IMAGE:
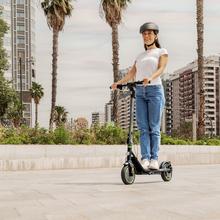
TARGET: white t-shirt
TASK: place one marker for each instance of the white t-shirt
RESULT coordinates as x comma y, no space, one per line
147,63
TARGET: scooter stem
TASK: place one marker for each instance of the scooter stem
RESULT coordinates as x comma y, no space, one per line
131,124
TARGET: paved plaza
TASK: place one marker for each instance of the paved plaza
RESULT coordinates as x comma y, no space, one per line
193,194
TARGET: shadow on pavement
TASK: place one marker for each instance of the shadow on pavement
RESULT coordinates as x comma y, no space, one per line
106,183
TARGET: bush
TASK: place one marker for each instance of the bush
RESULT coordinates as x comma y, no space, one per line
61,136
173,141
2,131
199,142
10,136
136,137
83,136
108,134
167,139
215,142
41,136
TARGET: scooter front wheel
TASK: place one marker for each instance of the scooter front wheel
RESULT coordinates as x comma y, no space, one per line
128,174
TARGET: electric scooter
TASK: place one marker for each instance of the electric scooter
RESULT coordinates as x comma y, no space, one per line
132,166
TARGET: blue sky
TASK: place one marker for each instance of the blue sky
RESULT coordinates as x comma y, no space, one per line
85,53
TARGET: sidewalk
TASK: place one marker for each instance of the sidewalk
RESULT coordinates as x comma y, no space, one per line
46,157
99,194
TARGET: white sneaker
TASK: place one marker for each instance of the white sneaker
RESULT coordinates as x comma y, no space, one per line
154,165
145,164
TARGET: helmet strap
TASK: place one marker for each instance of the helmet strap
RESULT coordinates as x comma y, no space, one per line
148,45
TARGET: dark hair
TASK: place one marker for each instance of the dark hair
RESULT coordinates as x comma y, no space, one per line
157,43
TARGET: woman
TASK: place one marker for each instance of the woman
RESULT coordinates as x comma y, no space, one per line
150,100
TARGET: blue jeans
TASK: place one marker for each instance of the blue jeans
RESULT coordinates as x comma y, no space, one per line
150,102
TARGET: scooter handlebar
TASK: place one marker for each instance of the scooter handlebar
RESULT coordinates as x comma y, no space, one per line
130,84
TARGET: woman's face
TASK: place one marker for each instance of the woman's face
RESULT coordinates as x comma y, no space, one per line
149,37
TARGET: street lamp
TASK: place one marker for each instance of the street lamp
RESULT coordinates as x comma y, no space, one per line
21,90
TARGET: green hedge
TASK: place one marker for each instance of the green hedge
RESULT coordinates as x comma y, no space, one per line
108,134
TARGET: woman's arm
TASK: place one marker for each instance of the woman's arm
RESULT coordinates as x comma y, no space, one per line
161,67
129,76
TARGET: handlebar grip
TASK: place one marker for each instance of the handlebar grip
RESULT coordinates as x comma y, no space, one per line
139,82
119,86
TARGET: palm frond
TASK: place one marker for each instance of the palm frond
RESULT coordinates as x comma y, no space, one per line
36,92
112,10
56,12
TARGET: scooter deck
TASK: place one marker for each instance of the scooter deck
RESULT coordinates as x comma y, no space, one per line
139,170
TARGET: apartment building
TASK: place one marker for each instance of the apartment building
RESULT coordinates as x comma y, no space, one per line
124,106
124,111
109,112
20,46
98,118
168,107
183,89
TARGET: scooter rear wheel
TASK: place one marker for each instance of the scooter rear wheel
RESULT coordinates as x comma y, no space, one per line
166,175
128,174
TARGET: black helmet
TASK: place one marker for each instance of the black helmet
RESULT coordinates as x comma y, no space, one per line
149,26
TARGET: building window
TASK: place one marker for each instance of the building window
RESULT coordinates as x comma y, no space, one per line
210,68
20,28
20,2
19,88
20,14
20,40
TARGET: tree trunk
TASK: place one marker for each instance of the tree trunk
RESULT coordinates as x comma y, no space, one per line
36,114
54,76
200,27
115,49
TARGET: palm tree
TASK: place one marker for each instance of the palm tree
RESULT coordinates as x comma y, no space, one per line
81,123
200,28
60,115
112,10
56,12
36,93
14,113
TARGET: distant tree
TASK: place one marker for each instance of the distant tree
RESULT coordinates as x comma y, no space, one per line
3,55
14,113
81,123
56,12
8,98
112,10
37,92
200,39
60,116
183,131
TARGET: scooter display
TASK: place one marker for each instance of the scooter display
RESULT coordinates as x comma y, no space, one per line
132,166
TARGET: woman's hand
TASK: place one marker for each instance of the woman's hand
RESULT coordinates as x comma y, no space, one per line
114,86
146,81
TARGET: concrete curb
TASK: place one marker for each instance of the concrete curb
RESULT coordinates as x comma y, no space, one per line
47,157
